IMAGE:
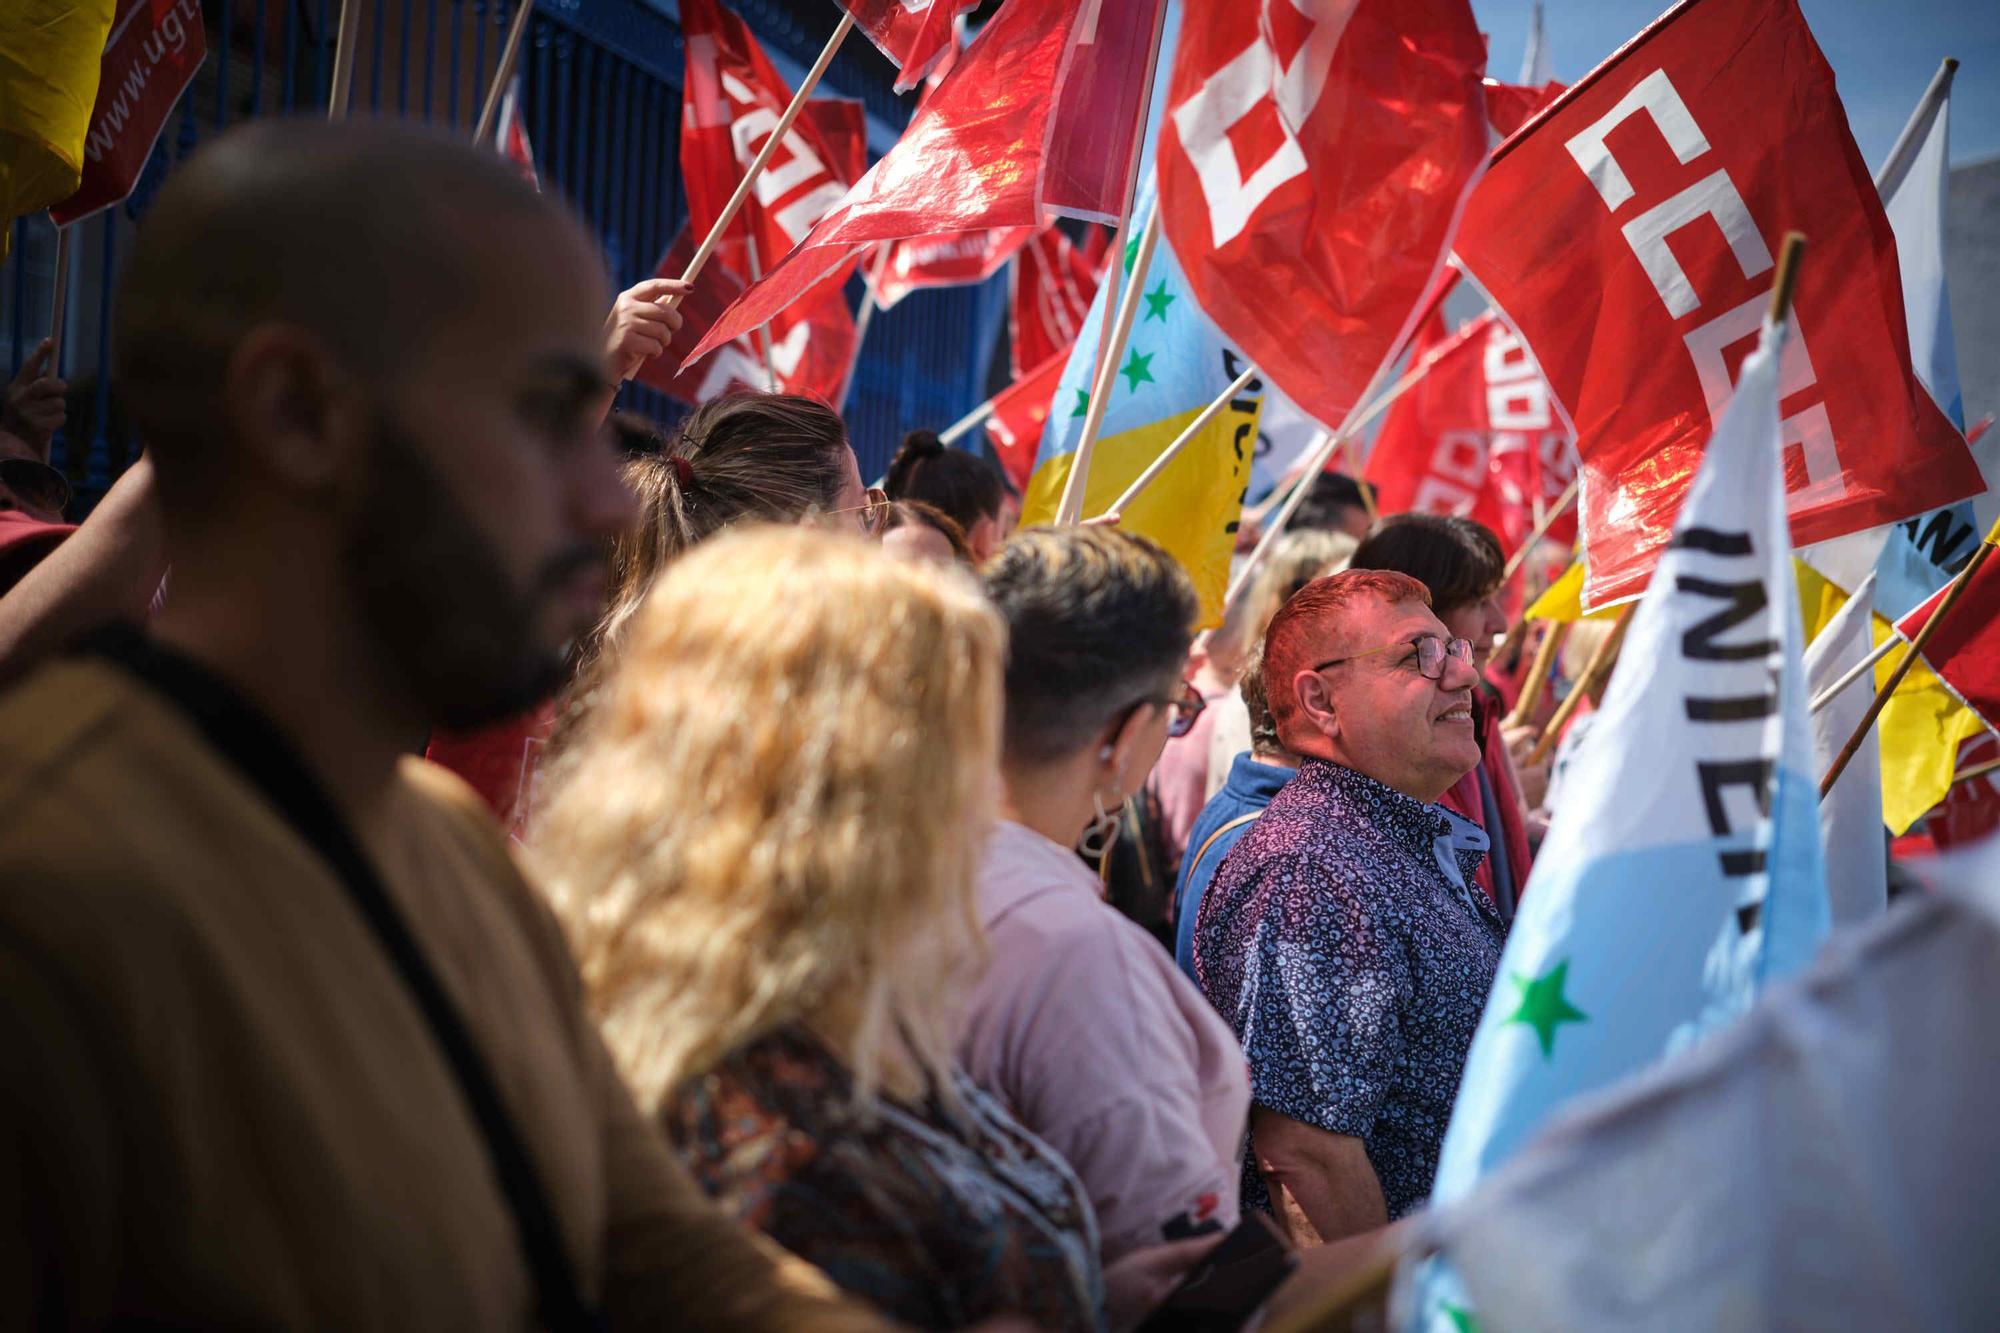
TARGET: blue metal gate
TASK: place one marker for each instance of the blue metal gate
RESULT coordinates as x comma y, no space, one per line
601,88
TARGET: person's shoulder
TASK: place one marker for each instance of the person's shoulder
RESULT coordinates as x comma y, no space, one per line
50,718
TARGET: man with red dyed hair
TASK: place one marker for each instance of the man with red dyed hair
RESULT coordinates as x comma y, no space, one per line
1342,938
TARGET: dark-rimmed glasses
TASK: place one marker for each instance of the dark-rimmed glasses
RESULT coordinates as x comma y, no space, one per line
1431,652
35,484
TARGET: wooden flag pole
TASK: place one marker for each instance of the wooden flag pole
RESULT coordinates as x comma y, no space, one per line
1976,771
968,421
1855,672
58,315
1554,512
1593,671
1953,591
1070,511
1167,455
1539,671
764,154
1315,464
503,73
862,319
342,85
763,330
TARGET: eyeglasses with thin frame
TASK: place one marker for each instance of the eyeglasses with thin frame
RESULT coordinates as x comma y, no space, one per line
874,513
35,483
1431,652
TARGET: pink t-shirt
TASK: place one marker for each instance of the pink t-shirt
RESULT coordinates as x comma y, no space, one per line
1082,1024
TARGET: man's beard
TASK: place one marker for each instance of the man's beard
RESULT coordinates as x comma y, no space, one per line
436,596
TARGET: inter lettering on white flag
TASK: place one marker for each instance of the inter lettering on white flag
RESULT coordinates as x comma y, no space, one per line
1686,871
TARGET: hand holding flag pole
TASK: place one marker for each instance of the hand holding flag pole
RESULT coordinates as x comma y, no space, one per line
764,154
1594,670
503,73
1070,511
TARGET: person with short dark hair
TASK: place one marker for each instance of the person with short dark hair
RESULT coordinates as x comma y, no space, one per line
962,484
1080,1021
288,1039
1336,504
1255,776
1343,938
1462,563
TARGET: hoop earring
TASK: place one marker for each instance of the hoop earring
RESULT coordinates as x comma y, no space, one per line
1097,839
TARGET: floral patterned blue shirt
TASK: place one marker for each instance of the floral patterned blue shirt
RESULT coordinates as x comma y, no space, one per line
1352,968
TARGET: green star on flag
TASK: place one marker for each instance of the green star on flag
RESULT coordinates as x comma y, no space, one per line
1157,302
1082,402
1131,253
1543,1006
1461,1318
1138,370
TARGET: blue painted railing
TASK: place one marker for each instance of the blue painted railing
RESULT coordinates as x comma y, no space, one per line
601,88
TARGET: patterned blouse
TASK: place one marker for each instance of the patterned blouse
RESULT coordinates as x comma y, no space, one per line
937,1218
1352,967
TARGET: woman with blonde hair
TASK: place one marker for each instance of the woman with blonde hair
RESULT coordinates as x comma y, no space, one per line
763,841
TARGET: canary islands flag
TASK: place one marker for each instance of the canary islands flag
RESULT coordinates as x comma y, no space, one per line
1687,873
1175,365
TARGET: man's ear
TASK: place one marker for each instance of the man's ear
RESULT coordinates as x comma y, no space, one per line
289,409
1316,702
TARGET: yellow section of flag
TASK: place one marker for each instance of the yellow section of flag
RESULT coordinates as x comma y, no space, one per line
1191,508
1563,599
1922,725
50,55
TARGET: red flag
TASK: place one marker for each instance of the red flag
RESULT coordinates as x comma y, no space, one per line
950,260
1965,650
916,34
1509,106
1053,285
1476,436
1629,234
151,56
1312,166
812,342
1036,119
1019,412
734,100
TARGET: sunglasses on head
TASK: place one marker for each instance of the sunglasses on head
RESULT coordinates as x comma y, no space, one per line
35,484
1431,652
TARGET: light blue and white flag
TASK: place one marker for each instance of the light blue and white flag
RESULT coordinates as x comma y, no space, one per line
1916,557
1686,871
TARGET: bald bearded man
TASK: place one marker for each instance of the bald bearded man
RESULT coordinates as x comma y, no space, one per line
286,1040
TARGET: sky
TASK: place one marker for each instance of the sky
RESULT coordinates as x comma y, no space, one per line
1883,54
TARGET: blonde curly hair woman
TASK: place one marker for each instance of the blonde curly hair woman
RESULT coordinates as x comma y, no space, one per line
763,842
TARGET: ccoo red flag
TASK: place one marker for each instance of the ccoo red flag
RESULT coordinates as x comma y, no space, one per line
1312,165
1035,120
950,260
812,342
1476,436
150,57
1629,233
1053,284
734,100
1509,106
1019,412
916,34
1965,649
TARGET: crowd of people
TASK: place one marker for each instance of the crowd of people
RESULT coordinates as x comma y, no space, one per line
743,953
